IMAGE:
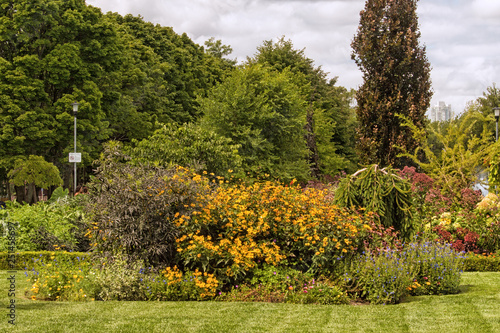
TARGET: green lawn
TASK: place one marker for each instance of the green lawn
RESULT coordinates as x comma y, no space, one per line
475,309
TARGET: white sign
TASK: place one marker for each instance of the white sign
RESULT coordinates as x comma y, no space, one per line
75,157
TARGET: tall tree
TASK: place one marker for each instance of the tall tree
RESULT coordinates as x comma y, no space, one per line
396,80
264,112
330,120
126,74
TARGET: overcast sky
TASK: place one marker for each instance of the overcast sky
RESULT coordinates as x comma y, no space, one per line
462,36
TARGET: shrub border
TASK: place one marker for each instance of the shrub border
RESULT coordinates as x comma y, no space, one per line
481,263
24,258
473,262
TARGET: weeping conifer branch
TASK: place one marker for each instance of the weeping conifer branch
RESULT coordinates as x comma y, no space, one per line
381,191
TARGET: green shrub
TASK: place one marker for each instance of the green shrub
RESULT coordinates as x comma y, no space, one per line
280,278
319,292
59,194
119,279
43,226
26,259
192,147
482,263
285,285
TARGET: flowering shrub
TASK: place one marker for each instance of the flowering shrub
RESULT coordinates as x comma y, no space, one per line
431,201
378,238
438,268
133,208
281,284
381,278
427,197
115,278
175,285
482,263
60,279
460,239
419,268
487,224
477,230
242,227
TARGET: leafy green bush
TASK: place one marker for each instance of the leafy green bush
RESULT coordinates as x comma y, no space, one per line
282,284
482,263
27,259
59,194
189,146
43,226
119,279
280,278
381,191
319,292
133,208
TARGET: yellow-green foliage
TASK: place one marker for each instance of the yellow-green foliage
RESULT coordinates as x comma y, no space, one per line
482,263
243,226
60,276
26,259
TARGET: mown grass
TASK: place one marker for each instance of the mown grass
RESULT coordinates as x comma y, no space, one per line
475,309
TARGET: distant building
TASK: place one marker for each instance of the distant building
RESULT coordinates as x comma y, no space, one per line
441,112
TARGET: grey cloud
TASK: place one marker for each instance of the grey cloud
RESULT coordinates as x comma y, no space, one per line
461,36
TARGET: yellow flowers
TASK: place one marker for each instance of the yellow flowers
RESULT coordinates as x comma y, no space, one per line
264,222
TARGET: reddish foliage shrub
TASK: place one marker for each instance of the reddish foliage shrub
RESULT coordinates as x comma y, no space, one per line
428,199
470,198
380,238
461,240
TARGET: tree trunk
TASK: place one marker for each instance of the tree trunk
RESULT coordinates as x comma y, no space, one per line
20,193
32,196
311,145
9,191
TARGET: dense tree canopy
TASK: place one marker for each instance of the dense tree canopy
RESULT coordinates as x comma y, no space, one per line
330,120
126,74
263,111
396,79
